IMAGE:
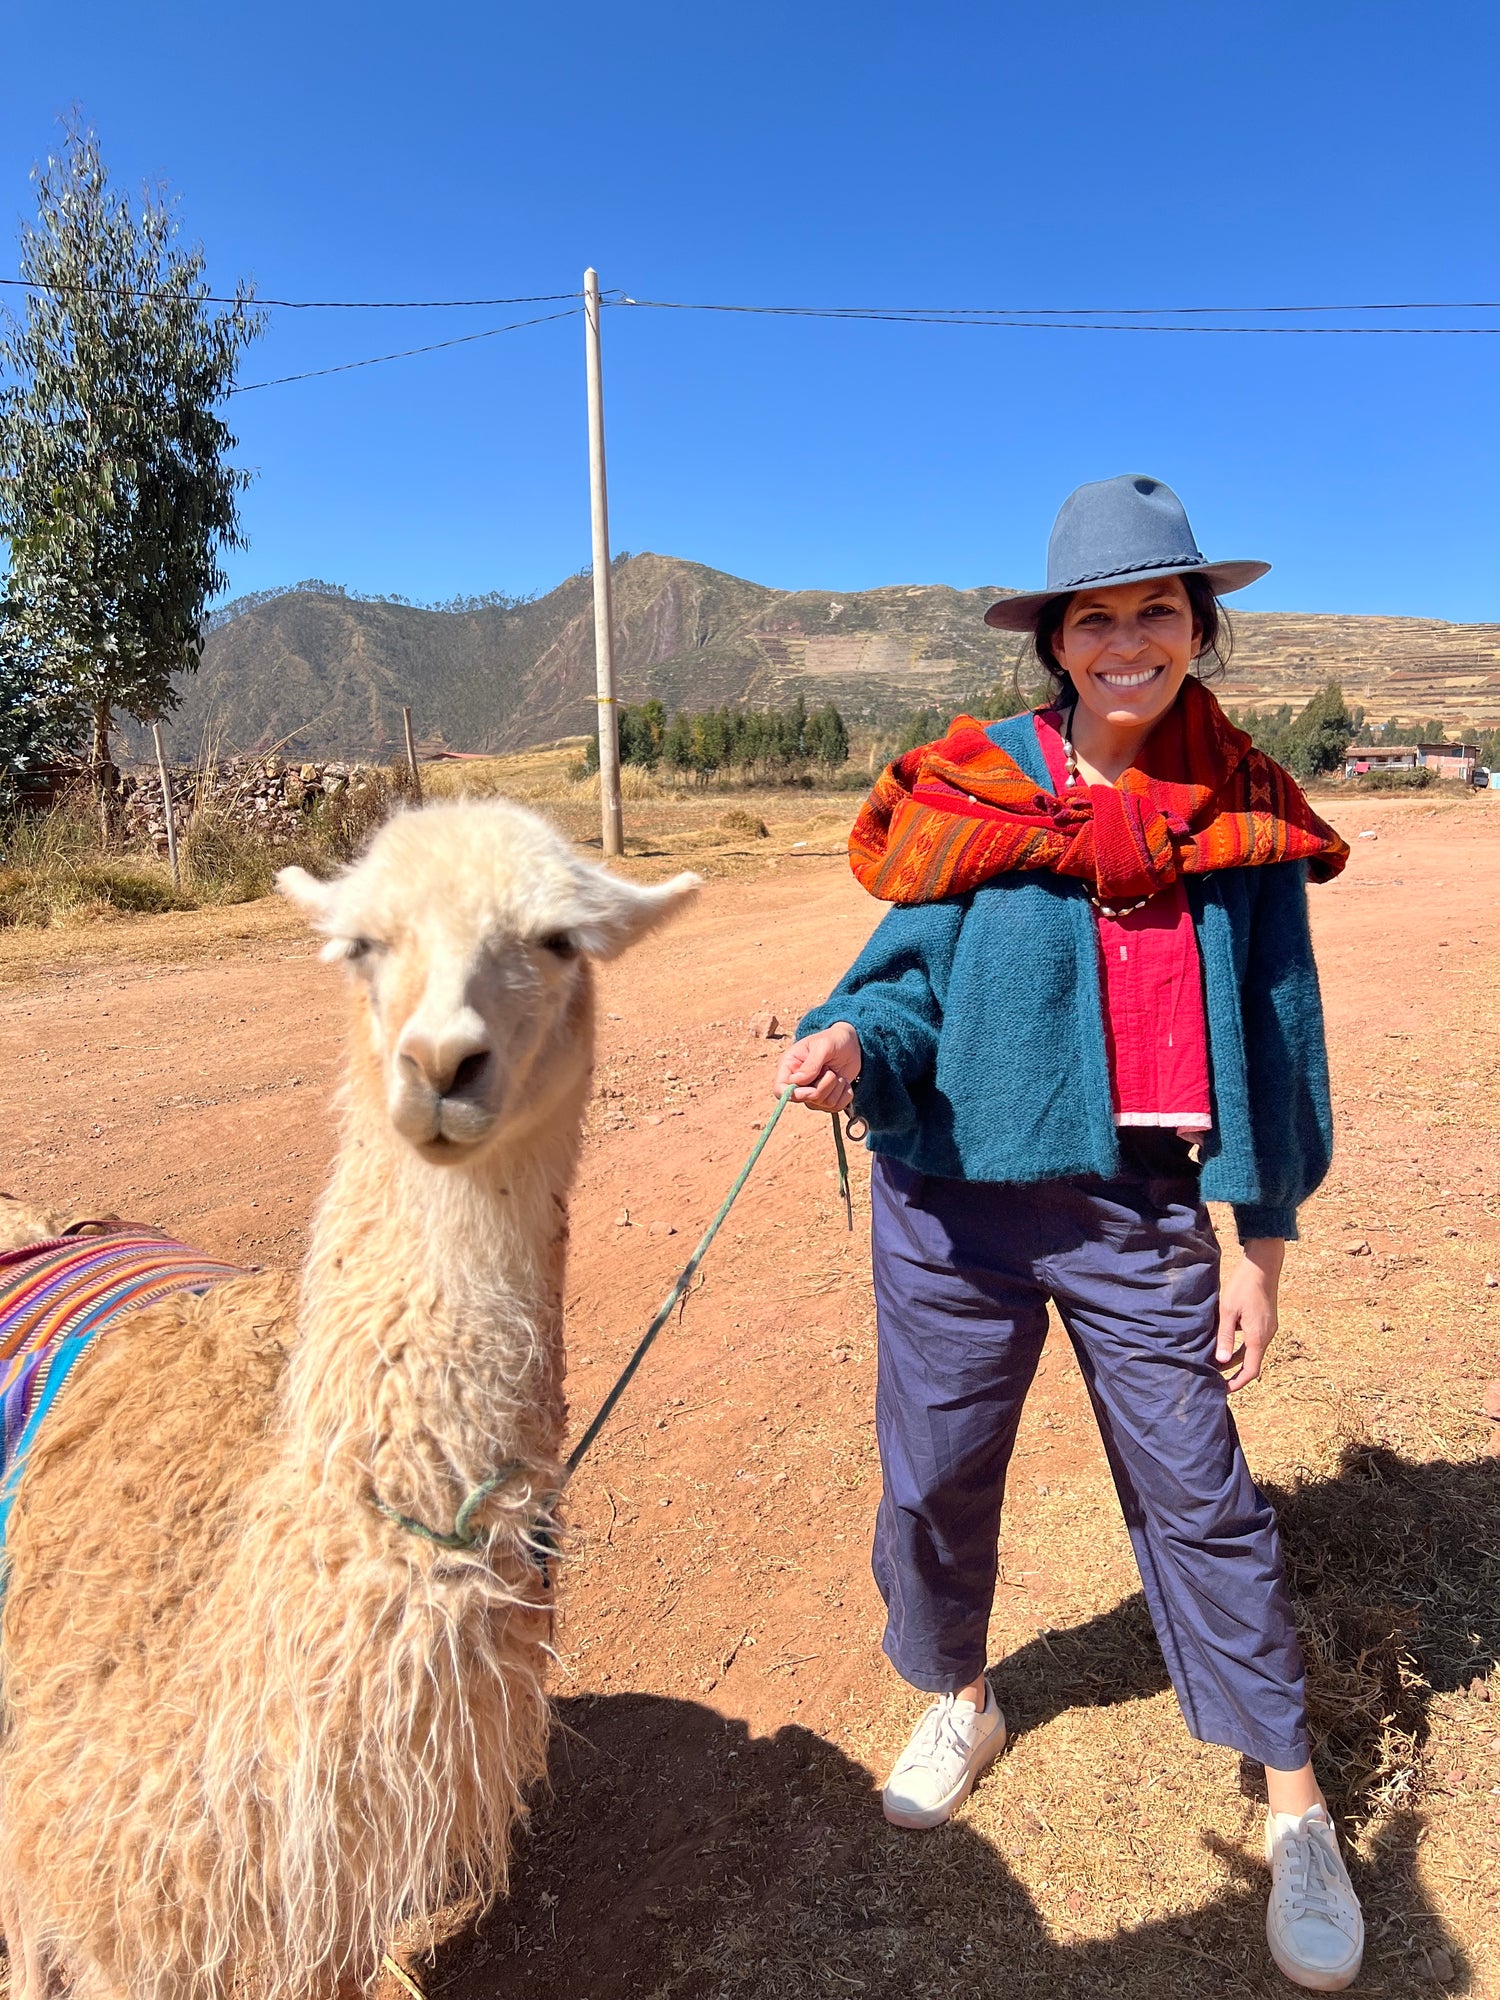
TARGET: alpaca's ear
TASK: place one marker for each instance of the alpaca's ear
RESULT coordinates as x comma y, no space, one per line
613,914
312,897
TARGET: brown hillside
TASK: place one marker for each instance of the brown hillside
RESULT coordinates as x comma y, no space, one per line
327,674
1407,667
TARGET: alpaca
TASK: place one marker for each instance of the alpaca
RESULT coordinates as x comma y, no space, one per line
252,1724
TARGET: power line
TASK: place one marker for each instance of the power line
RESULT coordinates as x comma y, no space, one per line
976,317
374,360
972,317
292,305
1123,312
999,314
1051,319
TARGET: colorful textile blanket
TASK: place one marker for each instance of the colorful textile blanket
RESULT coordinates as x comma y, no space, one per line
950,815
58,1296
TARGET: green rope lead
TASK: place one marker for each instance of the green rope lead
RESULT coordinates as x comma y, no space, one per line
838,1147
464,1535
664,1311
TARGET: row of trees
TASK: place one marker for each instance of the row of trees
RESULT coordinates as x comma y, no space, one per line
1316,739
1430,730
315,586
772,744
1310,741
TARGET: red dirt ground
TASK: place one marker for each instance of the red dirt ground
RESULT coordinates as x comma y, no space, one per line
718,1648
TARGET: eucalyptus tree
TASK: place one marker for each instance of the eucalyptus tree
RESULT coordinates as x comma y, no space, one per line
116,492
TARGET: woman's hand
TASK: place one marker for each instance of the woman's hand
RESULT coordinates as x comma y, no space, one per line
1247,1311
824,1068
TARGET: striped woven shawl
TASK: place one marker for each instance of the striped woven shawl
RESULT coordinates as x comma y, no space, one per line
950,815
58,1296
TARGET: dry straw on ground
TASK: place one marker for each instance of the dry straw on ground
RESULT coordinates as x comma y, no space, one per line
54,869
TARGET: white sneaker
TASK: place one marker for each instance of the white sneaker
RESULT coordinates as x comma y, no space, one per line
1313,1921
950,1747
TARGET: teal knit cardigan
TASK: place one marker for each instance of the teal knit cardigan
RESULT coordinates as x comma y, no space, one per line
982,1025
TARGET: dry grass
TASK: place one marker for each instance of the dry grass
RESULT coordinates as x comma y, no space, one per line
532,776
1395,1573
720,830
55,872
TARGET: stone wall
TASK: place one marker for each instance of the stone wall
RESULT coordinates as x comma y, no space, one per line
267,797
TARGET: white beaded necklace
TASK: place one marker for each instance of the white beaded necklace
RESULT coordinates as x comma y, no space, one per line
1104,909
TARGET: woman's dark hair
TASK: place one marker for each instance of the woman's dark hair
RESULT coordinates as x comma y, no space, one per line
1215,636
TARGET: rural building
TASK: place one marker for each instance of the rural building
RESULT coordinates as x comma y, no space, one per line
1444,760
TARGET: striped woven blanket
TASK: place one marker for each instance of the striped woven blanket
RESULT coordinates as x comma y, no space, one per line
58,1296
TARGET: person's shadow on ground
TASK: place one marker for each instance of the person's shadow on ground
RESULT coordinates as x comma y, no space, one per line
675,1856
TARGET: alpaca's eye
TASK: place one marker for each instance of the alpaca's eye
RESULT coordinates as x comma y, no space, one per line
561,944
362,947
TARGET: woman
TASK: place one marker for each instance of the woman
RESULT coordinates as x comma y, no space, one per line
1095,1006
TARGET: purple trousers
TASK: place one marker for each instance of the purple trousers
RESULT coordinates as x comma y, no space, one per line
963,1274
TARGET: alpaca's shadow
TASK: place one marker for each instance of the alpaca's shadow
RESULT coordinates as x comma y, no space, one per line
676,1855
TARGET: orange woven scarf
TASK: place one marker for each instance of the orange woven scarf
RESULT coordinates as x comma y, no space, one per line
950,815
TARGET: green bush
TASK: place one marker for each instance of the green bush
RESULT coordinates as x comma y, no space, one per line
1399,781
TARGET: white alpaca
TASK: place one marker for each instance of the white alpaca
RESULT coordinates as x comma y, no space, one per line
253,1724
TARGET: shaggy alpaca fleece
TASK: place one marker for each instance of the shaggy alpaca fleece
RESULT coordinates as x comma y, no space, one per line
190,1762
22,1223
253,1728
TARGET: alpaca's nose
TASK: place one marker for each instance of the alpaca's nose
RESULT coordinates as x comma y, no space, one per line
453,1060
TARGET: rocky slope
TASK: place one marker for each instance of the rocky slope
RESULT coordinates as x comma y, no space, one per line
325,675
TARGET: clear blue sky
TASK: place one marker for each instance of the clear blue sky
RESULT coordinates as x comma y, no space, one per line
1059,153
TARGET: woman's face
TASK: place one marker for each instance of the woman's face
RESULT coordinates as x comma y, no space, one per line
1128,649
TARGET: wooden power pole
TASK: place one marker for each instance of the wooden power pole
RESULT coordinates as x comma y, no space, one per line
611,819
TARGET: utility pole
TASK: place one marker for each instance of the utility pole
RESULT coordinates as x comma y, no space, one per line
611,820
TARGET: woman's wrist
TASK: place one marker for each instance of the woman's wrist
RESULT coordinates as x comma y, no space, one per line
1266,1253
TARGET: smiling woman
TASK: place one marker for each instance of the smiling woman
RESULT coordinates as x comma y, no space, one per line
1096,1008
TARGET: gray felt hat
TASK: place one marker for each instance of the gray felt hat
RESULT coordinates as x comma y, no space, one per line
1123,530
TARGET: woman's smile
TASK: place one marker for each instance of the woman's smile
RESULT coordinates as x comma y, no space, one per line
1128,677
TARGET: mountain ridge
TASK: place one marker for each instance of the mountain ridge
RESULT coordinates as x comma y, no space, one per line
324,673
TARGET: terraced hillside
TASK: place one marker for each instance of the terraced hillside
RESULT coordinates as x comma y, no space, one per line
1394,666
327,674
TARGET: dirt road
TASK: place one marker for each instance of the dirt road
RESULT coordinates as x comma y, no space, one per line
713,1827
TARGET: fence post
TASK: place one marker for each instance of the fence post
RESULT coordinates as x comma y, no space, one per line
167,806
411,754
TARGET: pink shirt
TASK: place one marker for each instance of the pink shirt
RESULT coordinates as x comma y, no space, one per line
1155,1027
